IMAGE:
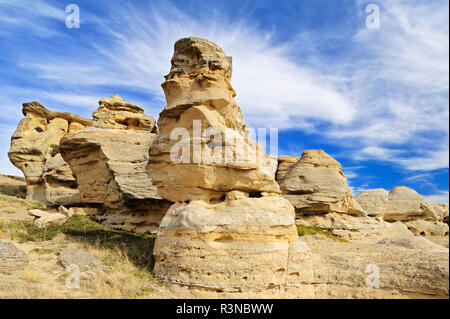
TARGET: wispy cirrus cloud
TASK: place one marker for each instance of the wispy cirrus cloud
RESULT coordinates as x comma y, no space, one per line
380,95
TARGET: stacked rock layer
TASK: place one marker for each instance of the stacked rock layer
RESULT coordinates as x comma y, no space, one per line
34,148
109,161
230,230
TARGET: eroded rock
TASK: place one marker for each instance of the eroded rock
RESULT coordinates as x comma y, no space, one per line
230,231
12,259
32,145
316,185
109,162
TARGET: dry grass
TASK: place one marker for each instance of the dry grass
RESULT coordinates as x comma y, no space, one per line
8,200
32,276
128,255
10,210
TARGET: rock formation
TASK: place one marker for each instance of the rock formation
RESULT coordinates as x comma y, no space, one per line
373,201
33,146
316,185
109,162
216,154
230,231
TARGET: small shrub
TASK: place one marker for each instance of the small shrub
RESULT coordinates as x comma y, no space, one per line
54,150
316,230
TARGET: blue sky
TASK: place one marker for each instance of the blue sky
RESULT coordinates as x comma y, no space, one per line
375,99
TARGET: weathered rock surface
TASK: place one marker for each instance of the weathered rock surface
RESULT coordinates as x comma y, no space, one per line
316,185
31,148
81,258
403,204
43,219
230,231
109,162
13,186
373,201
411,267
216,153
12,259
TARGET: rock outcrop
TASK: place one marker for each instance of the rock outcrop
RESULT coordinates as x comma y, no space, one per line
109,162
403,204
230,231
33,145
214,155
373,201
316,185
319,191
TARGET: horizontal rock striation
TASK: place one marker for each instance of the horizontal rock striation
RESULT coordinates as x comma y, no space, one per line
34,144
109,162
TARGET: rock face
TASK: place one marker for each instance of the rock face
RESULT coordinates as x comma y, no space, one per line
214,147
109,162
373,201
37,135
316,185
229,232
403,204
12,259
13,186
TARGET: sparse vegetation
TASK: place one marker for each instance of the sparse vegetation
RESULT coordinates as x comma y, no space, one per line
23,202
129,255
316,230
54,150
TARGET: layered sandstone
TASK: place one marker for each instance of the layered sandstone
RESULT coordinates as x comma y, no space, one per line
316,185
109,162
33,145
403,204
230,231
214,154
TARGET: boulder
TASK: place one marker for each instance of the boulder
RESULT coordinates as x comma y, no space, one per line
33,144
316,185
43,219
81,258
12,259
109,162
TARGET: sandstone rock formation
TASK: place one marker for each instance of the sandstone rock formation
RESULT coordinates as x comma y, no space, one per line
31,149
403,204
215,152
12,259
316,185
373,201
13,186
109,162
229,232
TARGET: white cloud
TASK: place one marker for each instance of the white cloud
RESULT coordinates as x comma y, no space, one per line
441,197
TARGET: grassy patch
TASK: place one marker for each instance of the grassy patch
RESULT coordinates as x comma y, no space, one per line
54,150
23,202
316,230
136,248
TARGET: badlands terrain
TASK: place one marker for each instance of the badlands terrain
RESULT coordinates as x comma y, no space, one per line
138,220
